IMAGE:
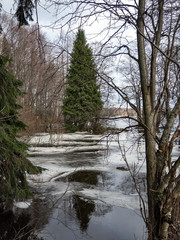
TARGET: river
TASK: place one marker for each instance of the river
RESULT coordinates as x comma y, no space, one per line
85,191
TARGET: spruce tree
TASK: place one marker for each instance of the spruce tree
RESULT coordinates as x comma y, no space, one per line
82,103
13,161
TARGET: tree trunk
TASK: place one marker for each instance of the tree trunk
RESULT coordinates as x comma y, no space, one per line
159,204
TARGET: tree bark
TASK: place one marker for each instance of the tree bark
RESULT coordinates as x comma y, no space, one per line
159,203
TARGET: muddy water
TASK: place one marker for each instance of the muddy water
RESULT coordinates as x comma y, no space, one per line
90,196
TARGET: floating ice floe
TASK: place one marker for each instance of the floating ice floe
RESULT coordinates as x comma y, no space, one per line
55,144
61,139
112,198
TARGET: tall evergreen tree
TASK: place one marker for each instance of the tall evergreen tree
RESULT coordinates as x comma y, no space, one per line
24,11
13,162
82,103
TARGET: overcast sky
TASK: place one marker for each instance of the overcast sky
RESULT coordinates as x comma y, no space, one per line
45,19
7,5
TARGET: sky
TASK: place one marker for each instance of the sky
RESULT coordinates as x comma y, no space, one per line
46,18
7,4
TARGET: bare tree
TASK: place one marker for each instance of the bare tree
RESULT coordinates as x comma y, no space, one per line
41,68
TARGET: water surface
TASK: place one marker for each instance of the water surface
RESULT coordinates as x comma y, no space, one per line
84,194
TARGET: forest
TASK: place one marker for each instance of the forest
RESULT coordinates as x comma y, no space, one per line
66,86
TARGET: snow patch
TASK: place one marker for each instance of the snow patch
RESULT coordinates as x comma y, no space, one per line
22,205
58,139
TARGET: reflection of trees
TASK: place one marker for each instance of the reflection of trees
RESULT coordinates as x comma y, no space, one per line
40,211
102,210
79,210
21,224
128,184
16,227
84,210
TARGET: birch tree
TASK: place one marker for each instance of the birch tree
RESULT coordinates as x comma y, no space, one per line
40,68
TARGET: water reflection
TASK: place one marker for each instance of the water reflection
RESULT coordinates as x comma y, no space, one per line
21,224
82,159
19,227
83,176
84,210
72,217
10,225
